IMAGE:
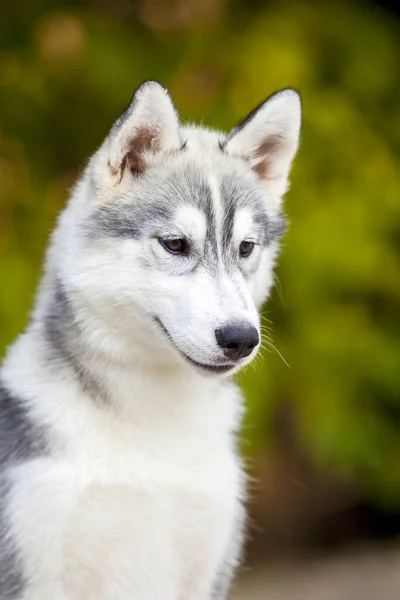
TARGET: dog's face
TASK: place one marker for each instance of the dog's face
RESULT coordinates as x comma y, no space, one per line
178,247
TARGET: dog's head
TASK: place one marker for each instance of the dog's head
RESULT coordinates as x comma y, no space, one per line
180,229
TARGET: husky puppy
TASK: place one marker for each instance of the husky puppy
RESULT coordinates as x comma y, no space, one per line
119,474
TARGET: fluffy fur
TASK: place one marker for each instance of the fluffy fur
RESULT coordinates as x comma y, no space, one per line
118,413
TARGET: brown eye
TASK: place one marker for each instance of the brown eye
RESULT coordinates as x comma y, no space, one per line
175,246
246,248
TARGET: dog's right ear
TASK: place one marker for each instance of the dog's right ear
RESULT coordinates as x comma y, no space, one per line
148,127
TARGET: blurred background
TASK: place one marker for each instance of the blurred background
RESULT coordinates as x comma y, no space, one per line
322,432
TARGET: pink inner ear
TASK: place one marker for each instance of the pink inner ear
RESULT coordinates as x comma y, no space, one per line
267,151
146,139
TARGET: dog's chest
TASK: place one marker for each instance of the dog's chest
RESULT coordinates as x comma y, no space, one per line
165,499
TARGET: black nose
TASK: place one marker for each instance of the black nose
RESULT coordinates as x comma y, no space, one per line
237,340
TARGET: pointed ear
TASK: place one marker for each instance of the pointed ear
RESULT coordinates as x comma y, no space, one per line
148,127
268,138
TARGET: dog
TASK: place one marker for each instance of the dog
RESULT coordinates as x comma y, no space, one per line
120,477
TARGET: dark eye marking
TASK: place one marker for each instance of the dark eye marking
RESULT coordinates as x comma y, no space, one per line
246,248
174,245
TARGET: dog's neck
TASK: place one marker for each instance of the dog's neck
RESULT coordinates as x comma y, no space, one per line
130,384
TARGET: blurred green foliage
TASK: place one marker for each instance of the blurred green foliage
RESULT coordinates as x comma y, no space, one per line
67,69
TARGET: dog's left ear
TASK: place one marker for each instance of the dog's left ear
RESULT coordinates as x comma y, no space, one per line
269,137
148,127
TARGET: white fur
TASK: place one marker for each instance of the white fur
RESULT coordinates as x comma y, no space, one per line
140,495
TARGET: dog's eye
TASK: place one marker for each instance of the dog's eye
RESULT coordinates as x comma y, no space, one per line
246,248
175,245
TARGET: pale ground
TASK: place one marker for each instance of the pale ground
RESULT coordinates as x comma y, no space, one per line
363,576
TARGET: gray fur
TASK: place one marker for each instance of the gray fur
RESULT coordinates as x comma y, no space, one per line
20,441
112,220
228,223
152,207
235,195
211,254
63,337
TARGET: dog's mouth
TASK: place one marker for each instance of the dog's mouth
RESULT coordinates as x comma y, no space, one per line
211,368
